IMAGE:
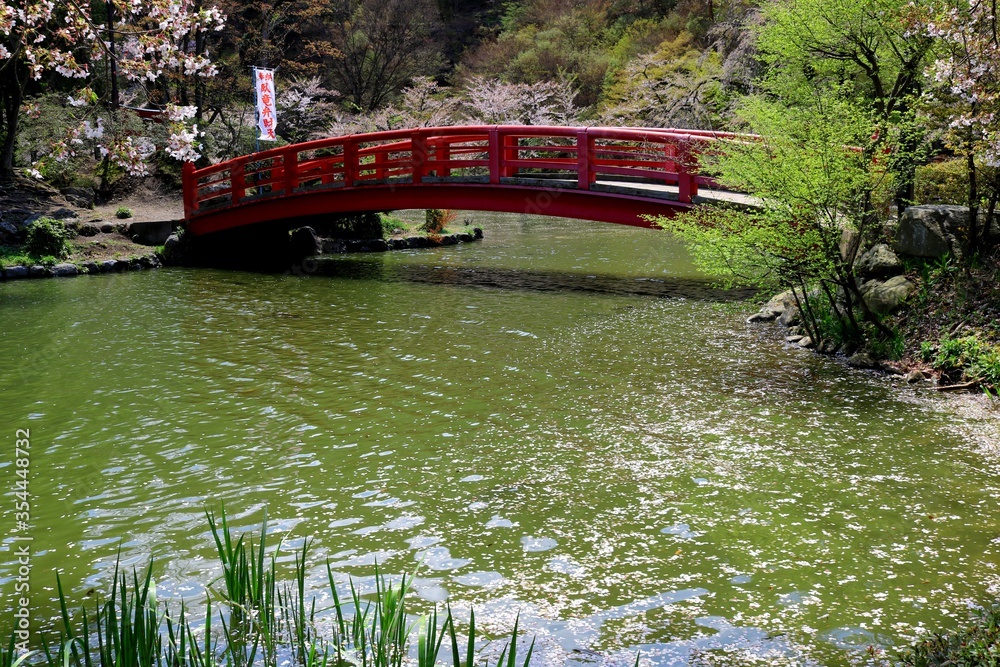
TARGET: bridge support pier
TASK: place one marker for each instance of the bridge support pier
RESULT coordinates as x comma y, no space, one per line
262,247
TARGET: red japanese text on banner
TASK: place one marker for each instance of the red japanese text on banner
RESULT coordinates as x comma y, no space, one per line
267,112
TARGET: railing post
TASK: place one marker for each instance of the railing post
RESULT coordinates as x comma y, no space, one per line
380,158
350,162
291,164
670,165
584,170
442,153
496,157
418,153
237,181
510,145
189,186
687,187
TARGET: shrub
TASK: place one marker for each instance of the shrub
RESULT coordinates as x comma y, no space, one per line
968,357
975,645
947,182
362,226
123,212
14,257
436,219
942,183
47,237
433,220
390,224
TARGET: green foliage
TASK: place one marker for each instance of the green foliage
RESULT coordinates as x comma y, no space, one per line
543,39
833,328
390,223
436,219
46,236
972,646
53,141
360,226
675,85
641,36
233,134
15,257
947,182
883,346
942,183
862,46
968,358
123,212
42,125
810,187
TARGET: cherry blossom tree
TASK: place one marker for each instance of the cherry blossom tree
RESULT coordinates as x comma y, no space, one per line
492,101
965,95
43,39
481,100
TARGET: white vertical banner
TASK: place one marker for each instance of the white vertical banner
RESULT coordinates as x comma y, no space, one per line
267,111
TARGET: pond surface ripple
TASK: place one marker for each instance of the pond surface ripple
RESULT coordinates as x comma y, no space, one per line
564,420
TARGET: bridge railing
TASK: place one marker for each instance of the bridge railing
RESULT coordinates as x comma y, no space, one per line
577,157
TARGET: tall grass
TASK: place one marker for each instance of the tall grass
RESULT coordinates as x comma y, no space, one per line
253,620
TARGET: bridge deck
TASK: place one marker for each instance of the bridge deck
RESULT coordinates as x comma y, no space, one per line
607,174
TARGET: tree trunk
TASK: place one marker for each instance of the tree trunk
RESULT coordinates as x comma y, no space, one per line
852,288
972,242
11,95
991,211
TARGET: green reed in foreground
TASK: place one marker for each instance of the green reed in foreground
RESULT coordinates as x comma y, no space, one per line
258,622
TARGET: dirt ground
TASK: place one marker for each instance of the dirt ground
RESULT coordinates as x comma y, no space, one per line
150,201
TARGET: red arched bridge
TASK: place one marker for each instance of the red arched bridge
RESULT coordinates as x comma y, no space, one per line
612,175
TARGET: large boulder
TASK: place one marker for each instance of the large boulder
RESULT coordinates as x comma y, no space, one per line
63,213
304,242
861,360
931,231
775,308
15,272
81,197
9,233
878,262
886,297
783,308
173,250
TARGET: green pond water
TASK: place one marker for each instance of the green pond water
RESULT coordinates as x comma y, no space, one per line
563,421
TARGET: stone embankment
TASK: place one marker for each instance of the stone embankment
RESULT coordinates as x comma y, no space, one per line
69,269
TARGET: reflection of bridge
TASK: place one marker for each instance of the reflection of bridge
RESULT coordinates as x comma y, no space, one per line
593,173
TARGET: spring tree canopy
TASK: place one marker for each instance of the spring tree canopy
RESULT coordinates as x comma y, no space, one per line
42,40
